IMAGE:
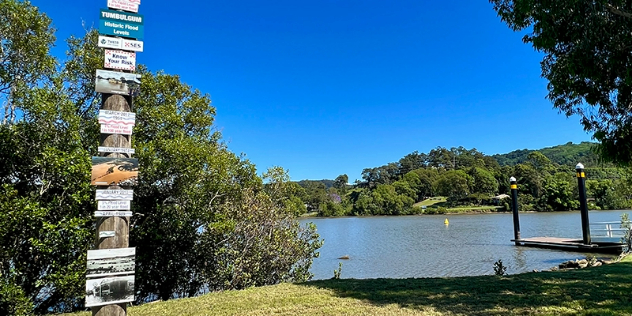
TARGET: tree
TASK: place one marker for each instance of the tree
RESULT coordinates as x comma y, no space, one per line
453,184
340,183
483,181
203,219
587,47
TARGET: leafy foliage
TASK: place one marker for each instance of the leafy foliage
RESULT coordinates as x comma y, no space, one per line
586,46
203,218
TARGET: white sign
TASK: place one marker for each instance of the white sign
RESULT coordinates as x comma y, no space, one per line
126,195
106,234
125,5
120,43
118,59
114,205
117,118
113,214
117,129
108,291
119,150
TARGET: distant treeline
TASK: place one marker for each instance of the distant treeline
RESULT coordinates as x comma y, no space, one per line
467,177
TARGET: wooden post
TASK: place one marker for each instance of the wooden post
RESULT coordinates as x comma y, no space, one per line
120,225
583,204
514,208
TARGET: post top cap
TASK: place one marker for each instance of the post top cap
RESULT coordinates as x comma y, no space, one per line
579,166
512,179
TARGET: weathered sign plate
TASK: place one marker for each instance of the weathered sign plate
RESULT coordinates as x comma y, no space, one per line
114,171
119,150
108,291
110,262
118,59
120,43
107,117
116,82
126,195
114,205
126,5
113,214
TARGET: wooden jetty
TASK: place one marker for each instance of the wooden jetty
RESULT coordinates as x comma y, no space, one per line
586,244
570,244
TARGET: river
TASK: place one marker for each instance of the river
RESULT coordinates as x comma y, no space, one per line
423,246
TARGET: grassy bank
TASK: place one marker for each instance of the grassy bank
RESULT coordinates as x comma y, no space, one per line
602,290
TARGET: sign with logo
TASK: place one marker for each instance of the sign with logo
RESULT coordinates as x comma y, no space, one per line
116,82
120,150
114,205
125,195
120,43
126,5
112,214
118,59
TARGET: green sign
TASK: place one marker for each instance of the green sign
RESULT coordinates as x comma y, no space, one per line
121,24
119,16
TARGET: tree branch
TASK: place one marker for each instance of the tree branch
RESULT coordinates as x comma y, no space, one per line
617,11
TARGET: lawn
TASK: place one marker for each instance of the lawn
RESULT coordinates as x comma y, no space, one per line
602,290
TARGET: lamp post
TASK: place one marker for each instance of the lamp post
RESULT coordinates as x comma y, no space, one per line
514,208
581,184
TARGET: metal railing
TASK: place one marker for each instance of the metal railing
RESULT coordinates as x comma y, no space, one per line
607,230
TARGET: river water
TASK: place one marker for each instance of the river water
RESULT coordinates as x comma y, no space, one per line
423,246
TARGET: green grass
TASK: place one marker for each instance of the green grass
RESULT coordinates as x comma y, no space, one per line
604,290
431,201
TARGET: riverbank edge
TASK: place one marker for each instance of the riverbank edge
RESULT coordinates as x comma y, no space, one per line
602,290
458,212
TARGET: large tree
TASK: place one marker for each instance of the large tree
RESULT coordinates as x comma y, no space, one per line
588,57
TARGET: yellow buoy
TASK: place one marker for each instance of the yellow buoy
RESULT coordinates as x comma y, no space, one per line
446,222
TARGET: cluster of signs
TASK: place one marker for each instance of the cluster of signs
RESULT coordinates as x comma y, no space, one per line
110,272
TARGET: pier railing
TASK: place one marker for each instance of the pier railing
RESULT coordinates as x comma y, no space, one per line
607,230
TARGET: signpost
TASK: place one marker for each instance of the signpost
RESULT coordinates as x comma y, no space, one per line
118,59
120,43
110,276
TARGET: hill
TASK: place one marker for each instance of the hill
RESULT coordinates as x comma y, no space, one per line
568,154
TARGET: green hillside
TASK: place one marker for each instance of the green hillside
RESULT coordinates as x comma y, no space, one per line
568,154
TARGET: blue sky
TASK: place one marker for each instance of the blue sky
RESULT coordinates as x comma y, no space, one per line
329,87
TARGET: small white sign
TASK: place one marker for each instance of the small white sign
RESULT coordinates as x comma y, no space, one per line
114,205
125,5
119,150
117,118
126,195
118,59
120,43
117,129
106,234
113,214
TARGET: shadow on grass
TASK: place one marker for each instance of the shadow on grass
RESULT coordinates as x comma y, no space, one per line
605,290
